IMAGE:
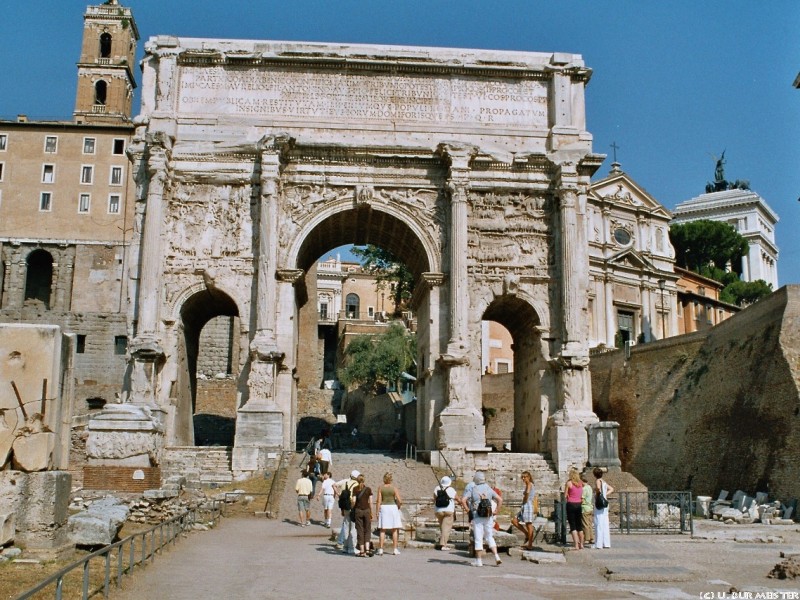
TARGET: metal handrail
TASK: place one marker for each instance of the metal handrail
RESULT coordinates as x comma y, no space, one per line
172,527
276,476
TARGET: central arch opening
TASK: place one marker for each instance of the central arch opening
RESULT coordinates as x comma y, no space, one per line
342,300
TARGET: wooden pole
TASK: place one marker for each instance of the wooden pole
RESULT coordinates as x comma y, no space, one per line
19,400
44,396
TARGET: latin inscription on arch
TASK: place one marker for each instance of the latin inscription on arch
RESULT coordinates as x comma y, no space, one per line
377,98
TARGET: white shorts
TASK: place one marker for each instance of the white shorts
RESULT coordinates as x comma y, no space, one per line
483,529
328,501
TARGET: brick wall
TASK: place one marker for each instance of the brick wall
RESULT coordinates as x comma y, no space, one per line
121,479
713,410
216,347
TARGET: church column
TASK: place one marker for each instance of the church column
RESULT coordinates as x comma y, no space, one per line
567,426
611,315
461,422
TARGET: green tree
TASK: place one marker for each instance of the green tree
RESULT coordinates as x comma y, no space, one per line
374,360
744,293
389,272
708,248
700,244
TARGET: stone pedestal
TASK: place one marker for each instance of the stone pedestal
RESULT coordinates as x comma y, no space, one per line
567,439
126,435
461,427
603,445
39,504
259,432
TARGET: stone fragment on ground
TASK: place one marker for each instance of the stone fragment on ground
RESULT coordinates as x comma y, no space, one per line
99,524
788,568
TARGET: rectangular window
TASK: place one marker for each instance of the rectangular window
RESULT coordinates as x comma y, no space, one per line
120,344
83,203
371,311
87,173
1,170
3,142
119,146
113,204
45,201
80,347
88,145
48,173
50,144
116,176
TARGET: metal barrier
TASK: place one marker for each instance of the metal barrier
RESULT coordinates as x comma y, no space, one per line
668,512
137,546
653,512
411,452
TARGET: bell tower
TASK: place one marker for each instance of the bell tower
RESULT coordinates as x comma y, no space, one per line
105,68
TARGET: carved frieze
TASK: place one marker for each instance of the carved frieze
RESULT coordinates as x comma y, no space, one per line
508,230
207,221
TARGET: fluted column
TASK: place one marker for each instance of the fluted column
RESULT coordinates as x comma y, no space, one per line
574,271
266,289
567,426
150,277
458,186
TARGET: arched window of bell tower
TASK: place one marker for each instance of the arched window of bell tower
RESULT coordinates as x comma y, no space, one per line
105,45
100,92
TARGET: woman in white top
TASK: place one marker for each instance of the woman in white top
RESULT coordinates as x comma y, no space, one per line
602,531
445,514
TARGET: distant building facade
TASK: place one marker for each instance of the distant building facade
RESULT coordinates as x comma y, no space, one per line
632,283
750,215
699,306
67,207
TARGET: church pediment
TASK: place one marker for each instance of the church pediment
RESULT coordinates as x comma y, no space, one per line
620,190
630,259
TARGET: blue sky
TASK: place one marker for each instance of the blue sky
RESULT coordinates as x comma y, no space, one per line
675,83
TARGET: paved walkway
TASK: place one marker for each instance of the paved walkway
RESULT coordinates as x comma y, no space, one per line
261,558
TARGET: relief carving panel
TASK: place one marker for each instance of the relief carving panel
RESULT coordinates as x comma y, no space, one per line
509,232
207,221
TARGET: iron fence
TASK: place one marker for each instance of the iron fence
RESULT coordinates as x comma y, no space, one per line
133,551
668,512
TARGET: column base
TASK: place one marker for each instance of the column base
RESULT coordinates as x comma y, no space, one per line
126,435
259,433
568,440
461,428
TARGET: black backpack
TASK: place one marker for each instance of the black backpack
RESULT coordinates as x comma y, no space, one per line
442,498
344,498
484,508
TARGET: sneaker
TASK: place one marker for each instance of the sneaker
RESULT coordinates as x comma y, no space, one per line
338,546
477,563
497,561
446,548
396,552
379,552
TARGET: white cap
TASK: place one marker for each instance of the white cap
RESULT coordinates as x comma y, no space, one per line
479,478
354,474
445,481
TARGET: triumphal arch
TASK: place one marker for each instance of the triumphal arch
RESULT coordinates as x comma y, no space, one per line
253,158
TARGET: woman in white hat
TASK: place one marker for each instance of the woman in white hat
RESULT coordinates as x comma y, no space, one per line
444,499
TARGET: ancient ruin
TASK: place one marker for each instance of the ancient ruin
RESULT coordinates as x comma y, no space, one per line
252,159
